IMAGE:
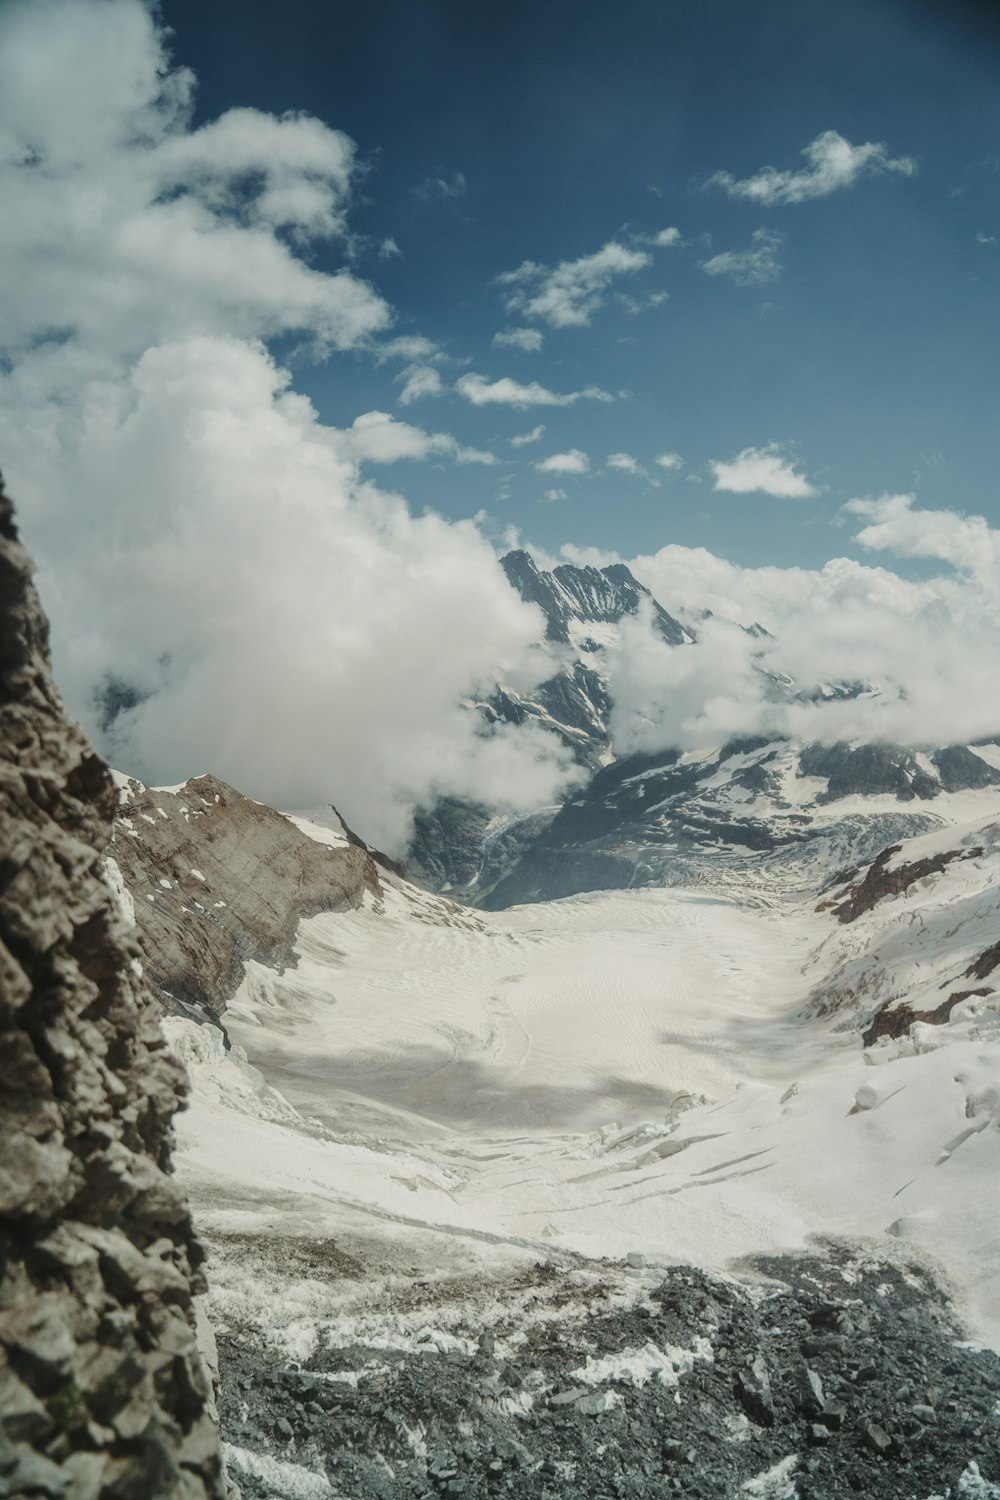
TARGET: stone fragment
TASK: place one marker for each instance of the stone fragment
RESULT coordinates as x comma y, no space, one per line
753,1385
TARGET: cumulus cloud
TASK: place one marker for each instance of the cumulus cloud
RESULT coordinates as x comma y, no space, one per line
669,461
124,226
568,295
833,164
623,461
967,543
524,438
528,339
929,648
377,438
554,495
667,237
764,471
419,381
752,267
202,536
572,462
482,391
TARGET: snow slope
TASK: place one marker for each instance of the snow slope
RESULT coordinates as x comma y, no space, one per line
672,1074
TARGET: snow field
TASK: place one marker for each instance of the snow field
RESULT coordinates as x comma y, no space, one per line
643,1071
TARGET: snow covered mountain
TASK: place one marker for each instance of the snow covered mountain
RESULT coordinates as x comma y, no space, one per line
671,818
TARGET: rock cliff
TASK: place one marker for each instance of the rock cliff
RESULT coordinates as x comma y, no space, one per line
102,1391
217,879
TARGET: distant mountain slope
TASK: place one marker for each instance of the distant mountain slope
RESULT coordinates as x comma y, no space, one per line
569,596
671,818
467,847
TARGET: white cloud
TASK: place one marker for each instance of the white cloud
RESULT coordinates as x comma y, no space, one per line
753,267
408,346
377,438
929,647
833,164
669,461
762,470
635,305
528,339
123,226
568,295
554,495
482,391
985,239
440,189
572,462
388,249
967,543
419,381
524,438
624,462
201,534
667,237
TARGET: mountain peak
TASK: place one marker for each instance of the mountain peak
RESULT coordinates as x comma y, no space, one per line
586,594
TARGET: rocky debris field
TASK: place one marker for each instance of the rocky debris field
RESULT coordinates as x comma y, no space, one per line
821,1376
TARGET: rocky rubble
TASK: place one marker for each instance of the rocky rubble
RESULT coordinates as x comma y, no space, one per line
831,1375
102,1389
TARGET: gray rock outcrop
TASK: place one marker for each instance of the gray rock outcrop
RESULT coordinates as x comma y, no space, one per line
217,880
102,1391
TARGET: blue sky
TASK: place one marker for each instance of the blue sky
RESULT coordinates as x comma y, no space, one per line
863,343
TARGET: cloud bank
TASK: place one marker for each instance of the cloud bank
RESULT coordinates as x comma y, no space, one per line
929,649
211,553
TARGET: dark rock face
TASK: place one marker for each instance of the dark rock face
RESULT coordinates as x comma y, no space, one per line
102,1391
454,848
600,595
878,882
217,880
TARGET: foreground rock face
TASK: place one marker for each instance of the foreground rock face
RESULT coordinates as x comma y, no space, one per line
218,879
102,1391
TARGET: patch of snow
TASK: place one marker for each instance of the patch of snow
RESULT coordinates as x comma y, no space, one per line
286,1481
777,1483
637,1366
116,880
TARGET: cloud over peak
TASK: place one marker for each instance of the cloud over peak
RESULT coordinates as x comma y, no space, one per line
833,164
